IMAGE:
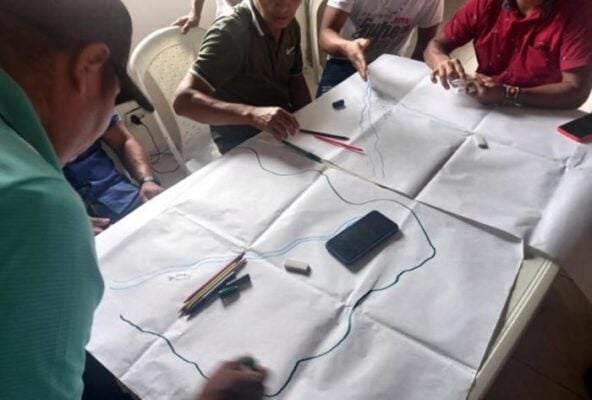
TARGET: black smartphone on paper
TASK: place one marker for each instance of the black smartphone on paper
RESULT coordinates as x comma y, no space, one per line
359,239
579,129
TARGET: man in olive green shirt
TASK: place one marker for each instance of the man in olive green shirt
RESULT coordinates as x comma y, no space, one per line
248,74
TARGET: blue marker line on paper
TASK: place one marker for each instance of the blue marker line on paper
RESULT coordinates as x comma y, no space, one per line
357,303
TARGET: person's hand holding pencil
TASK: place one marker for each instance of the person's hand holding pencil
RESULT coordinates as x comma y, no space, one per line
275,120
234,380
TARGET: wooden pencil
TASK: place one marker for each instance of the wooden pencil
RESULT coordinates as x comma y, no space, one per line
234,260
218,281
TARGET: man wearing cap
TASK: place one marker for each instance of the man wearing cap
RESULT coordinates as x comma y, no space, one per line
248,74
62,64
530,52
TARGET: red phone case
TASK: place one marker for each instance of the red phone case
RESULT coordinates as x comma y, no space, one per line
584,139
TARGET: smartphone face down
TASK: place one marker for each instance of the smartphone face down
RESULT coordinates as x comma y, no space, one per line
579,129
361,237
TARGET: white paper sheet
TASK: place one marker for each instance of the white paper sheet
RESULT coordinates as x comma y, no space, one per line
501,187
531,130
436,103
507,186
403,150
284,317
423,337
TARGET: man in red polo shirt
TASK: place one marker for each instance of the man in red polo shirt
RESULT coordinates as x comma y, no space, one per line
531,52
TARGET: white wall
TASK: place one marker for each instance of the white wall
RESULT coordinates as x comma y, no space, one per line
150,15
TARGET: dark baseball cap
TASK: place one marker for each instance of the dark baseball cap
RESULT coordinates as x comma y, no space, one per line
86,21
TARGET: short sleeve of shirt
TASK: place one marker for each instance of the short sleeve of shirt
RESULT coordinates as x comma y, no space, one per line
576,45
343,5
433,14
462,27
220,55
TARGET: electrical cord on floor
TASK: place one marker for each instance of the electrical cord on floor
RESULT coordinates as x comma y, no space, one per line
155,157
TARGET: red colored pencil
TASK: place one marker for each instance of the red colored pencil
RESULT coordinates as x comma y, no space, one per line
344,145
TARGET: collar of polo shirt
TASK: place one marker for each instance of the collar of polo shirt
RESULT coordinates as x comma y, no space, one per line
258,20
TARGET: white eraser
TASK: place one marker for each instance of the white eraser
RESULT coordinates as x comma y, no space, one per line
296,266
480,141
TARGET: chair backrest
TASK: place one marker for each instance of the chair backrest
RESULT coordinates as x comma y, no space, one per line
315,9
158,64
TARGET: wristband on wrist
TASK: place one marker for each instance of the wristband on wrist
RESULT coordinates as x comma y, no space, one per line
149,178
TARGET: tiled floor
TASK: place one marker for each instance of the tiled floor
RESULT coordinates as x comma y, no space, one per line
550,359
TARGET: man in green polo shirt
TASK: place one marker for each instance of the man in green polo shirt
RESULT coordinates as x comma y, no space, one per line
248,74
59,77
62,64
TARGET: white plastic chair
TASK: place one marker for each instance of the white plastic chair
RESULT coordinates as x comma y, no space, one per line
158,64
315,14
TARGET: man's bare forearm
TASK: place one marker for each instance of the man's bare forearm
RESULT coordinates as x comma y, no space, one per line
332,43
206,109
129,151
329,38
197,6
134,160
193,100
557,95
436,52
424,36
571,92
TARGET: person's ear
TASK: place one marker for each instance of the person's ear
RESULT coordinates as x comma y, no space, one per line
88,66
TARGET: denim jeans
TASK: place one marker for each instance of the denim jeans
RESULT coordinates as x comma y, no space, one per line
335,72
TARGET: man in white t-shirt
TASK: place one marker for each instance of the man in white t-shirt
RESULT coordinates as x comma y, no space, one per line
190,20
355,32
